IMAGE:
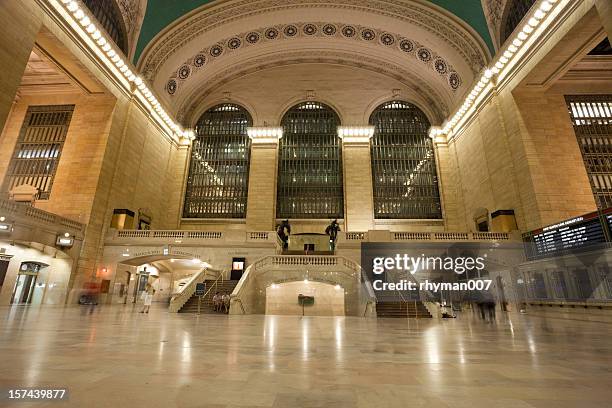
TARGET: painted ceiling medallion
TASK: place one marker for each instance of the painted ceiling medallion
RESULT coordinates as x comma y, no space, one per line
271,33
368,34
348,31
329,29
216,50
320,30
199,60
290,30
234,43
310,29
252,38
387,39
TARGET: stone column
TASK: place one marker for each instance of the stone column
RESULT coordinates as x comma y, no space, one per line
448,184
604,8
357,169
20,26
261,202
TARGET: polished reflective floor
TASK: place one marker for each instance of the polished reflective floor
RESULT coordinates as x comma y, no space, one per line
117,357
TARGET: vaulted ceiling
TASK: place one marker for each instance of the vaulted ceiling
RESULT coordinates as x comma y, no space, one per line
430,50
162,13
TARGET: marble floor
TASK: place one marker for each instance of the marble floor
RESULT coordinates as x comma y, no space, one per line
117,357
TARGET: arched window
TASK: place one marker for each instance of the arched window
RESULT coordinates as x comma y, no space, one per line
515,12
219,168
109,16
403,164
310,164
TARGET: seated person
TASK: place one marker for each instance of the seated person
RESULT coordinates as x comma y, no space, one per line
216,302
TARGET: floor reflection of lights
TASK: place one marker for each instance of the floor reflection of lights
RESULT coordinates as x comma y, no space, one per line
343,361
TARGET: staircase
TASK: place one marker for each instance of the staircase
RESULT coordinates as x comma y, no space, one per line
402,309
223,287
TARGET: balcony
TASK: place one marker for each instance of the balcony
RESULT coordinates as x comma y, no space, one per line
29,224
187,237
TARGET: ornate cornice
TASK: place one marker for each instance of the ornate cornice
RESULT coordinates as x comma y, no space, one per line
314,30
210,17
192,102
494,10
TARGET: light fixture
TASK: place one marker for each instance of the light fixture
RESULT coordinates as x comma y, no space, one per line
498,68
355,133
64,240
95,39
265,134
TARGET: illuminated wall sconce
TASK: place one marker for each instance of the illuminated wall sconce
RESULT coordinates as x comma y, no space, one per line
65,240
5,227
356,134
265,134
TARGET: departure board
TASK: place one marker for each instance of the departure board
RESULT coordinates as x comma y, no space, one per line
569,235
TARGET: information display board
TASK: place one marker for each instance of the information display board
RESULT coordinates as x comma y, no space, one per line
573,234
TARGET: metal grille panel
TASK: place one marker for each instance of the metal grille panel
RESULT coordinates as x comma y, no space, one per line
310,181
517,10
38,150
109,16
218,181
403,164
591,116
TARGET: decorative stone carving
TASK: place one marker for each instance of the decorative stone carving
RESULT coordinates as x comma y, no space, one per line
419,14
318,30
188,110
494,11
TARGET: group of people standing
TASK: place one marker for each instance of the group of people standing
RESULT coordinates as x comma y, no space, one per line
221,302
486,310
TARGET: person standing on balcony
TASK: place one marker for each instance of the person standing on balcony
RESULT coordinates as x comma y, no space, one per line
332,230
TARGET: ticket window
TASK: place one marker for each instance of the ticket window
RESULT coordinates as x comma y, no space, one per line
238,266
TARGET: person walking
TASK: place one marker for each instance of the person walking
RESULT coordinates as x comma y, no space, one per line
148,299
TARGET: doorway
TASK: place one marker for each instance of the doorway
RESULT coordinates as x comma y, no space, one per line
25,284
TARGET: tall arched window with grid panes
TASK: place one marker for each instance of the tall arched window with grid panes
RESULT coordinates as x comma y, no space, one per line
217,185
404,173
310,181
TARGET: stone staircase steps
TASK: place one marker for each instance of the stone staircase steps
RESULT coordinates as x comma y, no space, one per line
397,309
223,287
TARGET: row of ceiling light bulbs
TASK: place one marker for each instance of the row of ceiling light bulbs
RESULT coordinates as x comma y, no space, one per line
504,58
277,132
115,58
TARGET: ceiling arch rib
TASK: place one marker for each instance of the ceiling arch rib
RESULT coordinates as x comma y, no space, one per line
405,48
426,49
419,91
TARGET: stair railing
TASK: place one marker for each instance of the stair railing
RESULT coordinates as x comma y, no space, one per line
214,284
369,290
178,301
